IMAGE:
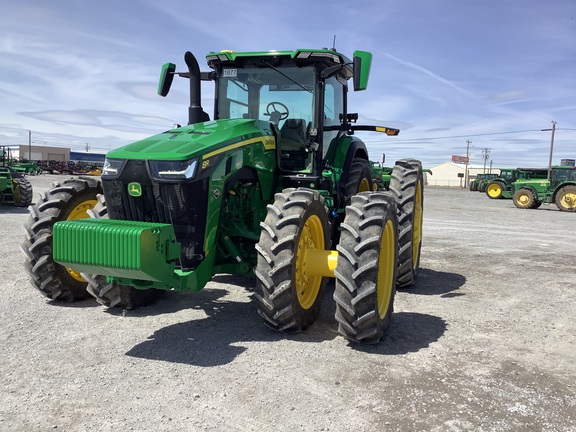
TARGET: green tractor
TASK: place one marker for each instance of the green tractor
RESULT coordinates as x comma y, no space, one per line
481,181
15,188
560,190
501,186
277,186
382,175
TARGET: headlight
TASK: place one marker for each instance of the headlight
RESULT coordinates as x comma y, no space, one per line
113,167
173,170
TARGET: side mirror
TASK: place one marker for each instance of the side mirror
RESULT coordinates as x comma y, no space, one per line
362,62
166,78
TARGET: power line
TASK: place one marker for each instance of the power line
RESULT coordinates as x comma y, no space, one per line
474,135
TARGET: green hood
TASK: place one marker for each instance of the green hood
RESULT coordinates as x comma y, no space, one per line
194,140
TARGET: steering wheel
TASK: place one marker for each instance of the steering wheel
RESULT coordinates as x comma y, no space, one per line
276,114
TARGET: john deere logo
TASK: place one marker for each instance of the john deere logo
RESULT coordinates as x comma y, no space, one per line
135,189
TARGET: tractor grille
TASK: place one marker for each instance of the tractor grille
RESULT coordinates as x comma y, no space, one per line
183,205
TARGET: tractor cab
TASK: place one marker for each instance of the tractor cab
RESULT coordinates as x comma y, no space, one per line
301,94
562,174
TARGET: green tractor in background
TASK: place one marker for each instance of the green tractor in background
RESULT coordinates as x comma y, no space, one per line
501,186
560,190
22,166
481,181
383,175
276,186
15,188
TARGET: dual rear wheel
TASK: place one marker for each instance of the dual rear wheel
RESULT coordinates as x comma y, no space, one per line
378,250
295,261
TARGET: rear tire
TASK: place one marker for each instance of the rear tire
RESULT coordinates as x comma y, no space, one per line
288,298
525,199
67,201
111,294
407,188
22,192
494,190
367,266
566,198
359,180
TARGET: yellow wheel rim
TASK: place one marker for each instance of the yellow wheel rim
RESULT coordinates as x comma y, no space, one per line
311,239
568,200
16,191
386,264
417,227
364,185
494,190
523,199
79,212
307,285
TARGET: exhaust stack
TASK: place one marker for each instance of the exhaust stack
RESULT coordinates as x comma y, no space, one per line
195,112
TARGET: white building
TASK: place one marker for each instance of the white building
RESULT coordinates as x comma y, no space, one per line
453,174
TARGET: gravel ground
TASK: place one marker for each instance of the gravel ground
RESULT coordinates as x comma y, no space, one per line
485,341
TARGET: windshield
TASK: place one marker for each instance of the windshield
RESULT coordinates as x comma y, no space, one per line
283,96
262,93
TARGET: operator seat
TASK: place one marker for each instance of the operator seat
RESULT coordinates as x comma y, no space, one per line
294,130
293,142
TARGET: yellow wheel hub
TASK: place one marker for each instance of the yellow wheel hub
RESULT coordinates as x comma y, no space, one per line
568,200
386,264
494,190
417,227
307,282
523,199
364,185
80,212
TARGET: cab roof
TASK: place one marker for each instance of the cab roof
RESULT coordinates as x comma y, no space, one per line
300,57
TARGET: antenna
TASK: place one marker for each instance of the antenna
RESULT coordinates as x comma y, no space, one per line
334,43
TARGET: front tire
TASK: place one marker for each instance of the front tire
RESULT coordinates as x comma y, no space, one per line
525,199
67,201
566,198
367,266
407,188
288,294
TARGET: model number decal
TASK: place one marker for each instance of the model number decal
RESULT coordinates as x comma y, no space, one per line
230,73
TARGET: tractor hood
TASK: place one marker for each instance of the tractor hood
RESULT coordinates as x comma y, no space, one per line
198,140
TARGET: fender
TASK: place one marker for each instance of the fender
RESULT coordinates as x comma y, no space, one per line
347,149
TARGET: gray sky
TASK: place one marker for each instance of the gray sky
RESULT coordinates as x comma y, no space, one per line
494,72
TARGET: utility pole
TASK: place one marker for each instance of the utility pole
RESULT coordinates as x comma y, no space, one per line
30,145
551,147
468,142
485,153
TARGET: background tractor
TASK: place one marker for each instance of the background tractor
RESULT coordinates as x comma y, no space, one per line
381,175
15,188
501,186
560,189
480,182
276,186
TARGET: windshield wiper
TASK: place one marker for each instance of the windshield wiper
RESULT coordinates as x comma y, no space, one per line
286,76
